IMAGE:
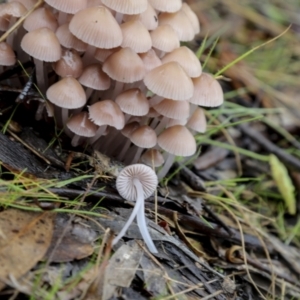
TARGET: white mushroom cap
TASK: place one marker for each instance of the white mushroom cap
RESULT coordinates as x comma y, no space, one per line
81,125
41,17
207,91
70,64
173,109
68,40
177,140
150,60
144,137
166,5
67,93
133,29
153,156
170,81
187,60
148,18
94,78
192,17
133,102
7,55
197,121
144,174
90,25
164,38
42,44
107,112
124,66
130,7
180,23
68,6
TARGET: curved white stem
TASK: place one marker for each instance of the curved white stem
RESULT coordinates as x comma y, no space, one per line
165,169
98,134
139,211
129,221
141,220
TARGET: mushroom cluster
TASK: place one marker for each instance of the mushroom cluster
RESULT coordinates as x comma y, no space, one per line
121,80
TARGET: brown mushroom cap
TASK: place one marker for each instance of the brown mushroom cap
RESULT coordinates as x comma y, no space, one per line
177,140
192,17
197,121
7,55
144,137
103,54
90,25
148,18
144,174
42,44
107,112
67,93
93,77
68,6
81,125
129,128
150,60
124,66
12,9
68,40
70,64
187,59
173,109
170,81
166,5
133,29
153,157
173,122
165,38
208,91
41,17
27,3
133,102
130,7
180,23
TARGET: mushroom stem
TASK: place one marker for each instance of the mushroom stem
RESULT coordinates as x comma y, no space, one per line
162,124
118,89
137,155
88,57
139,212
124,150
168,164
41,77
88,93
42,84
141,219
64,115
98,134
131,218
76,140
62,18
119,17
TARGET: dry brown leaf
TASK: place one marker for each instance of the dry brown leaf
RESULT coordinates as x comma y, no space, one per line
24,241
121,268
69,249
71,246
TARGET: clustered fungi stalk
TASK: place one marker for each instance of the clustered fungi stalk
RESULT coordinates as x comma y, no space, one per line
111,48
101,51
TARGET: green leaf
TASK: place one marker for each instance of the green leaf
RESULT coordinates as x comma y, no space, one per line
284,183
